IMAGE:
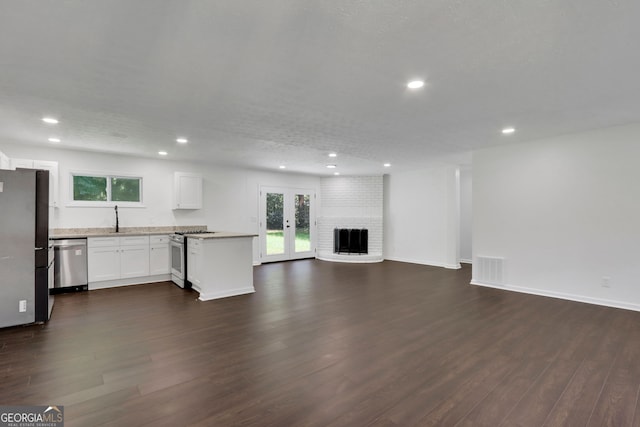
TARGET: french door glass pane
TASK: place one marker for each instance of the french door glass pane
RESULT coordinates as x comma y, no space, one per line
303,235
275,229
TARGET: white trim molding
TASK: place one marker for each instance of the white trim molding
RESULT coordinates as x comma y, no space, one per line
423,262
561,295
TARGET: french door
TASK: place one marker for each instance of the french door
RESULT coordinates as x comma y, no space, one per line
287,224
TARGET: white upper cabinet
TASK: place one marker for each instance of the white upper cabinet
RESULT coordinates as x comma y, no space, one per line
52,167
5,161
21,163
187,190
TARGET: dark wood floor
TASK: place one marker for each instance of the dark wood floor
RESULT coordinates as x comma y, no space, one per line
327,344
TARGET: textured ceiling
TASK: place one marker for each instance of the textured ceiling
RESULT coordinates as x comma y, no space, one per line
264,83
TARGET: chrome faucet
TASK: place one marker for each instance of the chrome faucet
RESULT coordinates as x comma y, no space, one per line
117,223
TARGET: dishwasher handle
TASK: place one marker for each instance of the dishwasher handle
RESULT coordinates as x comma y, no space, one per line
77,245
69,243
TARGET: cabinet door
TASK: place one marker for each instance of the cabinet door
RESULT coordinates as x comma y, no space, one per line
194,261
52,167
159,262
103,263
21,163
134,261
187,191
5,161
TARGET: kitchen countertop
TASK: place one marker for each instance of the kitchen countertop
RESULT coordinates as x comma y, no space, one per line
219,235
79,233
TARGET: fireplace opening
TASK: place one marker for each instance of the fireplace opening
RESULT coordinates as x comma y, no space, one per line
350,241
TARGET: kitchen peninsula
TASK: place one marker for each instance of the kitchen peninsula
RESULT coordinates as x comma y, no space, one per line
220,264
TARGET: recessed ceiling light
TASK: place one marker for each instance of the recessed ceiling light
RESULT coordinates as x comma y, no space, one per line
50,120
332,166
415,84
182,140
387,165
333,155
282,167
507,131
336,173
162,153
54,139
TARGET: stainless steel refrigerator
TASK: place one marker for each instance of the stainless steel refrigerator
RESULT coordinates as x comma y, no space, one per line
26,254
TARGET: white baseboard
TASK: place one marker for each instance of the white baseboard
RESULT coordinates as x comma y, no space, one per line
228,293
466,261
128,282
561,295
423,262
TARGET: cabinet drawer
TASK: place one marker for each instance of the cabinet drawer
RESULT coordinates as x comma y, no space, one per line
134,240
99,242
158,239
193,243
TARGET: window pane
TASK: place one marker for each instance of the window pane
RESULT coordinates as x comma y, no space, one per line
92,188
303,235
275,224
125,189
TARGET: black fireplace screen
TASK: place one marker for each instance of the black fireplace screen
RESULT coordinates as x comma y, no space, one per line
350,240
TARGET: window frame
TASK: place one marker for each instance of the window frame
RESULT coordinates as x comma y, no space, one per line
108,202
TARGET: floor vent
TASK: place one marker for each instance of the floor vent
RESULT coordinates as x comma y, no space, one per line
491,270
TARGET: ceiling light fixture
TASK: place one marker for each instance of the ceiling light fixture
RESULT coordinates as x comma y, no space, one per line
387,165
282,167
507,131
162,153
50,120
333,155
182,140
54,139
415,84
332,166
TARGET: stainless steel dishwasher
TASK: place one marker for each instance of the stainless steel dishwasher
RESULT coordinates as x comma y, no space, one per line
70,271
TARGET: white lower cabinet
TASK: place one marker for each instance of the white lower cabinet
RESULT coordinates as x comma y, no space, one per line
113,258
194,261
103,263
159,250
134,261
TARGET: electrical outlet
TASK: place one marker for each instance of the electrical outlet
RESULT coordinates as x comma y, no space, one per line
22,306
605,282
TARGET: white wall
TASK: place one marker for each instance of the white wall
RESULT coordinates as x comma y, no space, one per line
421,216
563,213
351,202
230,194
466,214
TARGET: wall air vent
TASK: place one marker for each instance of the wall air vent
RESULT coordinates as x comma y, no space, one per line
490,270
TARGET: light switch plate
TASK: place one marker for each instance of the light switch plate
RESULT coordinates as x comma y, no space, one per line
1,187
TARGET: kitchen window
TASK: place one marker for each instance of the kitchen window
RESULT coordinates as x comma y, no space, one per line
105,190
